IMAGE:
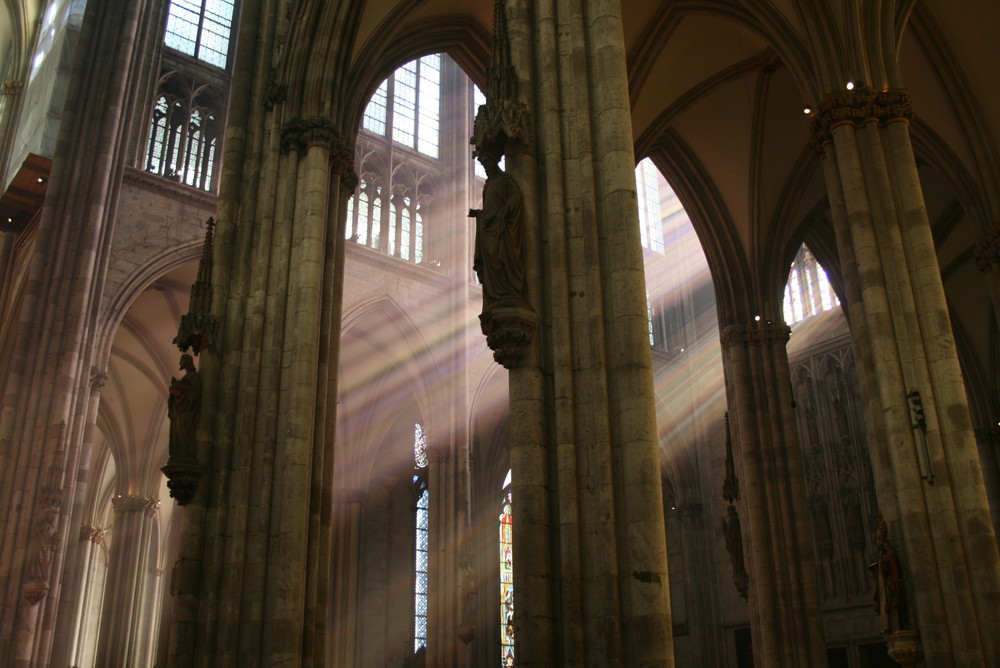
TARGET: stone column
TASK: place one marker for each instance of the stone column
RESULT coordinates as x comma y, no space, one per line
52,338
777,544
346,554
589,547
926,465
123,635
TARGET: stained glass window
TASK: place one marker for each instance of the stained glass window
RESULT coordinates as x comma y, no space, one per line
506,577
808,291
200,28
421,548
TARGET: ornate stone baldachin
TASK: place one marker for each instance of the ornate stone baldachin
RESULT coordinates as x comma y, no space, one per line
198,326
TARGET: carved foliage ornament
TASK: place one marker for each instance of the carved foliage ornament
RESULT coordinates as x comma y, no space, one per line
856,107
299,134
756,333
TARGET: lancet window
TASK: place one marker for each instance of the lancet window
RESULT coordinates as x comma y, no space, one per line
422,533
184,131
808,291
506,575
201,29
675,269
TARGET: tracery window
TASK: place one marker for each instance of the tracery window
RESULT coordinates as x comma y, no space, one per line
506,576
397,158
422,533
808,291
184,131
201,29
407,106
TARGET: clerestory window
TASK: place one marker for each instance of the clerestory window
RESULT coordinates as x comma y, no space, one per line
407,106
201,29
398,151
808,291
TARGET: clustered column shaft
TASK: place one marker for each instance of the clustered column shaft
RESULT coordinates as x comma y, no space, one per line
926,467
777,543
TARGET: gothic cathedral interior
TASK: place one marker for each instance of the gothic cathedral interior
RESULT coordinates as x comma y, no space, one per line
491,333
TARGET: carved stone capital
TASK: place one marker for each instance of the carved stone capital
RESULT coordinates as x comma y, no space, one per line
132,503
756,333
857,107
509,326
98,379
987,252
95,535
13,87
274,93
299,134
342,164
893,105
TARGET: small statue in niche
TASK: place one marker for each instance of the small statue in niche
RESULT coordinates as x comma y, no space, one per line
890,597
183,403
497,260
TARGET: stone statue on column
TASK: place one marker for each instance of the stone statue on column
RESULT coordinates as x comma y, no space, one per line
890,596
502,124
183,402
196,332
497,260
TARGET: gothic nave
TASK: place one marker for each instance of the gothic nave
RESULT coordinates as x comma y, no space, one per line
323,323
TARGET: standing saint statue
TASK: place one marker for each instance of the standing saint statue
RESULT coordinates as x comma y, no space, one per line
182,409
890,595
497,261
